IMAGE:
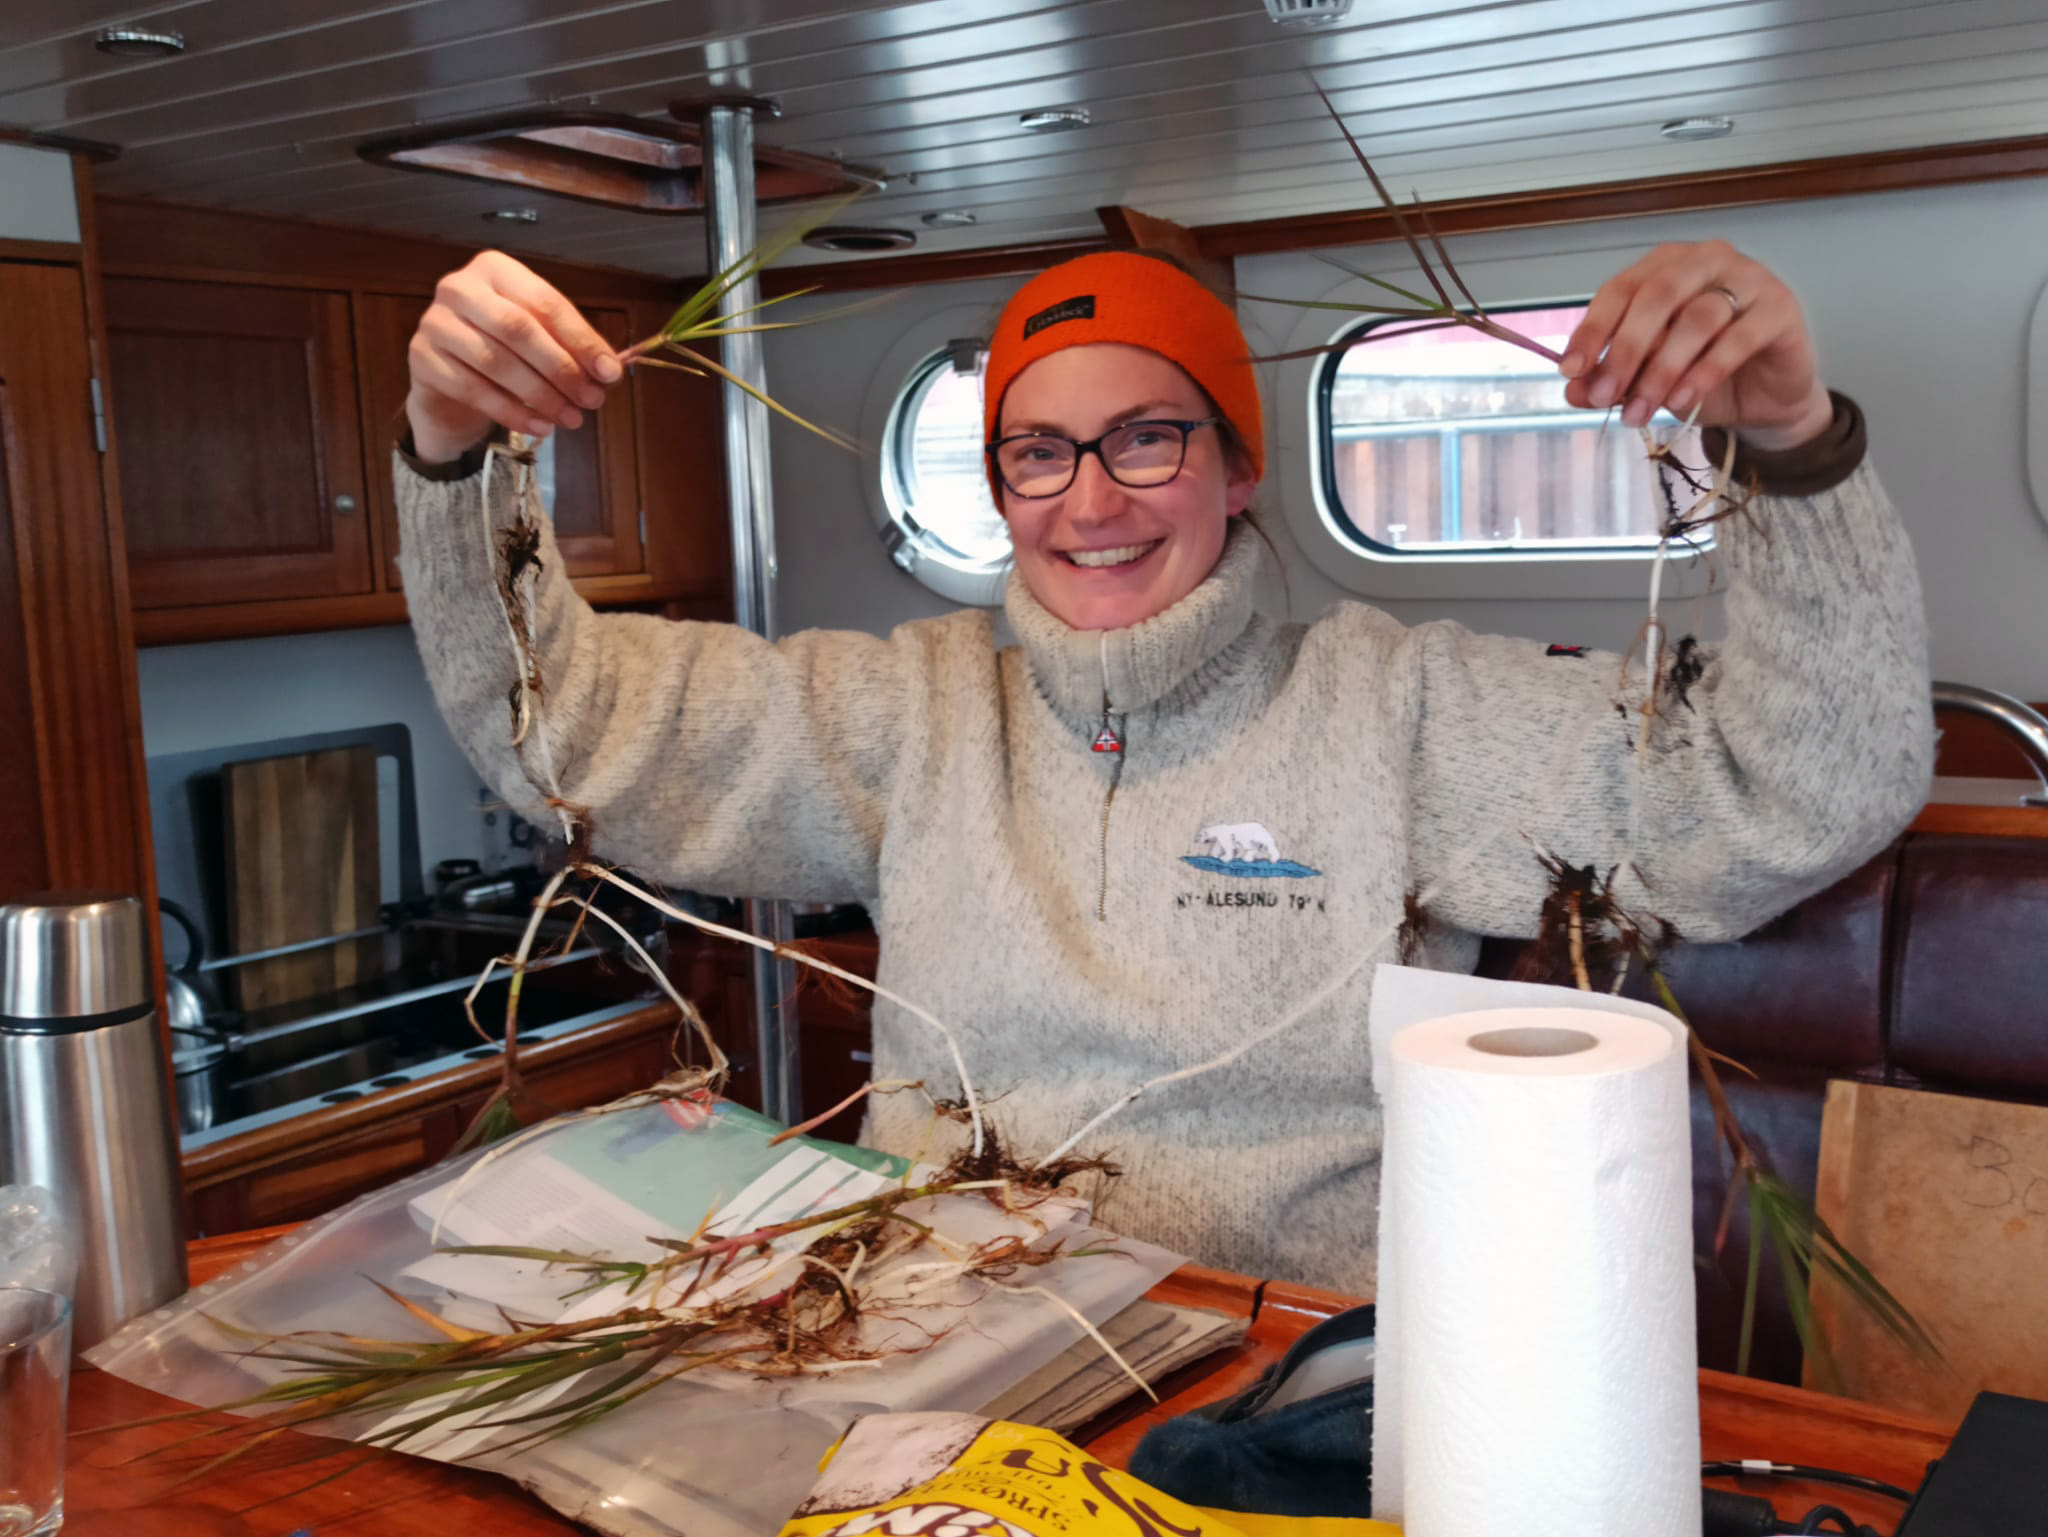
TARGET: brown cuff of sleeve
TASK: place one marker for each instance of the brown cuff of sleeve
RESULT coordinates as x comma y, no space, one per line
471,461
1815,466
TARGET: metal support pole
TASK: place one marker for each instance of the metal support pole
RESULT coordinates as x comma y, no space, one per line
728,143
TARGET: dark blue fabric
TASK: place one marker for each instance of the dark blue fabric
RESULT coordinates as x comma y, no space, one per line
1312,1458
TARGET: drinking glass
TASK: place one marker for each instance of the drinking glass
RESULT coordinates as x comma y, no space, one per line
35,1366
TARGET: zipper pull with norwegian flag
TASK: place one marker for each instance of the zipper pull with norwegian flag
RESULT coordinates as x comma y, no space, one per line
1107,739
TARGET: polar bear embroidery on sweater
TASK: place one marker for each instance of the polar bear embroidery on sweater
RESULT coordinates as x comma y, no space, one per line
1244,851
1233,841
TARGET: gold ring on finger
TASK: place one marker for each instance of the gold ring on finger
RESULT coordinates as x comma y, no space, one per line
1727,293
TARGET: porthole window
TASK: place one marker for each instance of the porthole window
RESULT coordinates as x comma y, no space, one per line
943,525
1447,443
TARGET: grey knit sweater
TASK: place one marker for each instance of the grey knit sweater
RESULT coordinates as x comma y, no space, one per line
1087,921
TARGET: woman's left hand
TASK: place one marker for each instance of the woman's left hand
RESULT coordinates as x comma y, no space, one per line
1701,324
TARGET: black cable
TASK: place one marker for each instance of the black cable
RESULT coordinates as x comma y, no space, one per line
1755,1469
1817,1518
1726,1514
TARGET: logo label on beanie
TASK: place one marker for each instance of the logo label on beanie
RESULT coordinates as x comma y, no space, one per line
1082,308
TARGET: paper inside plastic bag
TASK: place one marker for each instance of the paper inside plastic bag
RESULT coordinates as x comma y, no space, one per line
715,1453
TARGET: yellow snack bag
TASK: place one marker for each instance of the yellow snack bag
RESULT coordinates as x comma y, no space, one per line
959,1475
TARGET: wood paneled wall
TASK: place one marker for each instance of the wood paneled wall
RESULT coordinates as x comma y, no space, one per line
73,777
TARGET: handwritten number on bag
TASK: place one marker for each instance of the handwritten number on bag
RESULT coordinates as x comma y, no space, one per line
1992,1184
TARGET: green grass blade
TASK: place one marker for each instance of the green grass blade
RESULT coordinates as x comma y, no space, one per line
1817,1245
545,1433
839,439
1342,307
1410,295
752,309
496,1121
1800,1305
1749,1285
1431,306
522,1383
705,299
722,329
619,1380
517,1251
1386,198
1348,343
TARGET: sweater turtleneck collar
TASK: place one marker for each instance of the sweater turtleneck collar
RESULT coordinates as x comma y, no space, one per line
1142,663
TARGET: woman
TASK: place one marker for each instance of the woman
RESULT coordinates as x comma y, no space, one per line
1162,821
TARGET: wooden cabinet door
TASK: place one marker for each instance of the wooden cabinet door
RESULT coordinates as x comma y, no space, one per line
241,456
72,777
590,479
384,325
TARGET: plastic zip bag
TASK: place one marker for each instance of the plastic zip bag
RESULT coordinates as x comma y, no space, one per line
712,1457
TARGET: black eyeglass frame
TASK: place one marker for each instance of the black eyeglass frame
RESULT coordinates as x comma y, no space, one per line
1094,446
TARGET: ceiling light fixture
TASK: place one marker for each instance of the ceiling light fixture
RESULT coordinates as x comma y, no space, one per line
1054,119
863,239
948,218
514,215
1686,129
1308,13
139,42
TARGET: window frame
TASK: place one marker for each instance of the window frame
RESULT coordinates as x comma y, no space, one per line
1324,430
1556,266
913,546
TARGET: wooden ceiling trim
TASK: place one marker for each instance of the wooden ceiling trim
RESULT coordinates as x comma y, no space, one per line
1041,210
92,149
1041,200
1735,187
143,238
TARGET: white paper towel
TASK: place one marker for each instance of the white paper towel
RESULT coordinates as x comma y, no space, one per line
1537,1370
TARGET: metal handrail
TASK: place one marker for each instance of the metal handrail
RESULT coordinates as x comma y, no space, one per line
224,962
387,1001
2027,726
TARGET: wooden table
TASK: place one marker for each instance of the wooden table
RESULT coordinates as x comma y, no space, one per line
401,1496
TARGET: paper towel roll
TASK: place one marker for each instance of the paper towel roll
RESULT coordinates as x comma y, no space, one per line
1536,1247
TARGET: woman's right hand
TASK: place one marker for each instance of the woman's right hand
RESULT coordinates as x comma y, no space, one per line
499,346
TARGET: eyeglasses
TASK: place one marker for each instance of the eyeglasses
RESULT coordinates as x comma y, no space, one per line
1135,454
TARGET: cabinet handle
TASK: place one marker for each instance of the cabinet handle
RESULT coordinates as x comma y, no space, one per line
345,504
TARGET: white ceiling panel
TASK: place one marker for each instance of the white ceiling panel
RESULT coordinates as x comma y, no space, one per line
1202,109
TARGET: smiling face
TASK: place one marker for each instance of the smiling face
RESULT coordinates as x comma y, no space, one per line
1102,556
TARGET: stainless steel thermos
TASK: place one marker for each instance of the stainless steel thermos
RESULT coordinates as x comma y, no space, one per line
85,1100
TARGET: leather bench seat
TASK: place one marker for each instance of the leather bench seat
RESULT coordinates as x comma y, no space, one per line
1969,988
1927,967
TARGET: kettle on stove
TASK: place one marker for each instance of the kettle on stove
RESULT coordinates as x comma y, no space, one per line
200,1041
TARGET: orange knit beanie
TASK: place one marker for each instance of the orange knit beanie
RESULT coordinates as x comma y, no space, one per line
1120,296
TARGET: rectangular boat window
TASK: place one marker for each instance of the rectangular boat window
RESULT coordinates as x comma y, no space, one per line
1445,442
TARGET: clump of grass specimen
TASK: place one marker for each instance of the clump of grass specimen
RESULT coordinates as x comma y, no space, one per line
799,1313
1587,933
697,320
